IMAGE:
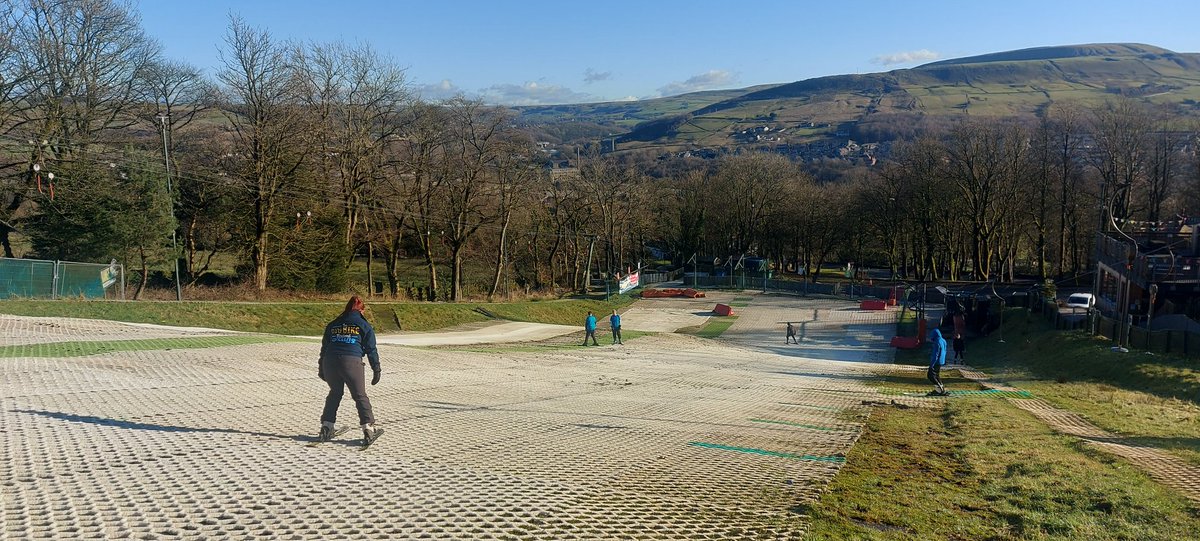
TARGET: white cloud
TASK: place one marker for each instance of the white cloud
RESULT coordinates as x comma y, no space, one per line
532,93
907,57
590,75
704,81
439,91
628,98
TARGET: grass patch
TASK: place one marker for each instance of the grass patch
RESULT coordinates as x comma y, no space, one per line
714,327
309,318
1149,399
983,469
741,302
80,349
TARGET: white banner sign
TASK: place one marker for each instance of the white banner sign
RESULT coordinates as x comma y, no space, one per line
628,283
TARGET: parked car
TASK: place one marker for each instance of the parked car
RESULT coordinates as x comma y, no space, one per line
1081,300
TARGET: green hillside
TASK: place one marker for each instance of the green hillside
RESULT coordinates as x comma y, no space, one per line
1014,83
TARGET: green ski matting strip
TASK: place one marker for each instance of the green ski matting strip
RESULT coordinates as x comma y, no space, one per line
752,450
993,392
801,425
998,393
80,349
716,326
741,302
826,408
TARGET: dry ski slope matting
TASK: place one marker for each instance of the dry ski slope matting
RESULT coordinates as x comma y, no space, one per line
112,435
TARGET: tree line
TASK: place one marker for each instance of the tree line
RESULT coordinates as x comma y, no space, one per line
298,159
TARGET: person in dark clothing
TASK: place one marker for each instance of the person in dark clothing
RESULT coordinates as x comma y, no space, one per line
615,322
791,334
347,339
960,347
937,358
589,326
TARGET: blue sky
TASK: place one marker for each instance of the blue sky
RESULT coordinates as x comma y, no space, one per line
542,52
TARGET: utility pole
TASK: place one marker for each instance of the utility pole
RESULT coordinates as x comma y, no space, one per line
163,117
587,273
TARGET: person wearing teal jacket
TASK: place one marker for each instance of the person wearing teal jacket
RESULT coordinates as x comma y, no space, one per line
615,322
937,358
589,326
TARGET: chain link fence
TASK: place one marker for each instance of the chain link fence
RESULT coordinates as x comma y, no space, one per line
34,278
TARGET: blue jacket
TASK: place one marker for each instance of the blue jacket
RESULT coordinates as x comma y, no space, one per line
615,321
937,348
589,324
350,334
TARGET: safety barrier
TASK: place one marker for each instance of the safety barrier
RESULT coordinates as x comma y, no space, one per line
35,278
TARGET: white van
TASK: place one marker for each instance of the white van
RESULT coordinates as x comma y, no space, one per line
1081,300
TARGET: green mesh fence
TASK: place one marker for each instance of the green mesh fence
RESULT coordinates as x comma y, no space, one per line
33,278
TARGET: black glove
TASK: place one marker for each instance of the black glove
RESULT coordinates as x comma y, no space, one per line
375,377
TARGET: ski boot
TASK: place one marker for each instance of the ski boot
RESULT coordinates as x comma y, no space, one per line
326,434
370,434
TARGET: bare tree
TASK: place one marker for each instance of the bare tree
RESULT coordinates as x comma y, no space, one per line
1063,149
1162,168
417,167
515,173
67,80
986,162
357,96
1120,129
81,58
270,125
469,166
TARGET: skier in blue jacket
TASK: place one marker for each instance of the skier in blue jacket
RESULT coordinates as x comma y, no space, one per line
347,339
937,358
589,327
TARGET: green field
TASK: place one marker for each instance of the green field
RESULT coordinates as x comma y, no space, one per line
1148,399
979,468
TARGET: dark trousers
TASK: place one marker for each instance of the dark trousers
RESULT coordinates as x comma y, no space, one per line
935,374
616,334
346,371
591,333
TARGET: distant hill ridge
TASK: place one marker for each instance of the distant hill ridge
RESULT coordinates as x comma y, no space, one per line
1056,52
1008,84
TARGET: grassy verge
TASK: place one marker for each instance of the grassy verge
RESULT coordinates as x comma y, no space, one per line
1149,399
309,318
79,349
982,469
